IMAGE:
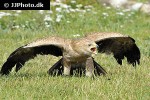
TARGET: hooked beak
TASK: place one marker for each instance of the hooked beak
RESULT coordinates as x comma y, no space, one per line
94,49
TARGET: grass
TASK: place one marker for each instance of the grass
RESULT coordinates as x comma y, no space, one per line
32,81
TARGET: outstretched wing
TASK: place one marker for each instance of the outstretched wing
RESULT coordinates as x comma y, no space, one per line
120,45
51,45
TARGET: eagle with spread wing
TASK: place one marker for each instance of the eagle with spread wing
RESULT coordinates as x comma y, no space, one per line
76,52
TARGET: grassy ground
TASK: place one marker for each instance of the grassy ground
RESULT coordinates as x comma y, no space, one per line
33,83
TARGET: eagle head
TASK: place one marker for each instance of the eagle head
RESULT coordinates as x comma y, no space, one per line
85,47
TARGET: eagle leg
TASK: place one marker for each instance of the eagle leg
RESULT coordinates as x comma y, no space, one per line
57,69
89,67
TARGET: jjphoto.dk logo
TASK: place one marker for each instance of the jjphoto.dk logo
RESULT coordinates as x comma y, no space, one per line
12,5
25,5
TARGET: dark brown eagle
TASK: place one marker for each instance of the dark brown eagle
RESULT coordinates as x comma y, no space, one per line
76,52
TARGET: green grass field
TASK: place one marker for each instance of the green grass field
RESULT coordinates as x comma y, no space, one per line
33,83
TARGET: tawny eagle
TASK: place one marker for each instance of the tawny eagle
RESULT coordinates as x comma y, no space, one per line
76,52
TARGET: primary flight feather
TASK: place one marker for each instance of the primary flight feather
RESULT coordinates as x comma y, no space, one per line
76,52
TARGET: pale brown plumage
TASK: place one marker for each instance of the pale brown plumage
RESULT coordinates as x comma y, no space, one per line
75,51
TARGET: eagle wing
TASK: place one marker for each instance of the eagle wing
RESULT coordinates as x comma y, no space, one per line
120,45
51,45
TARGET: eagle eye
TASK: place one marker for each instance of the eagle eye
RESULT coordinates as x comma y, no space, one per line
89,45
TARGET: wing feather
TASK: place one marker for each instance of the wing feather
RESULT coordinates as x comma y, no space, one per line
57,41
120,45
52,46
97,36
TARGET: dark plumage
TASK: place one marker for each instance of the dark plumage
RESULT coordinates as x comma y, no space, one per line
121,47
